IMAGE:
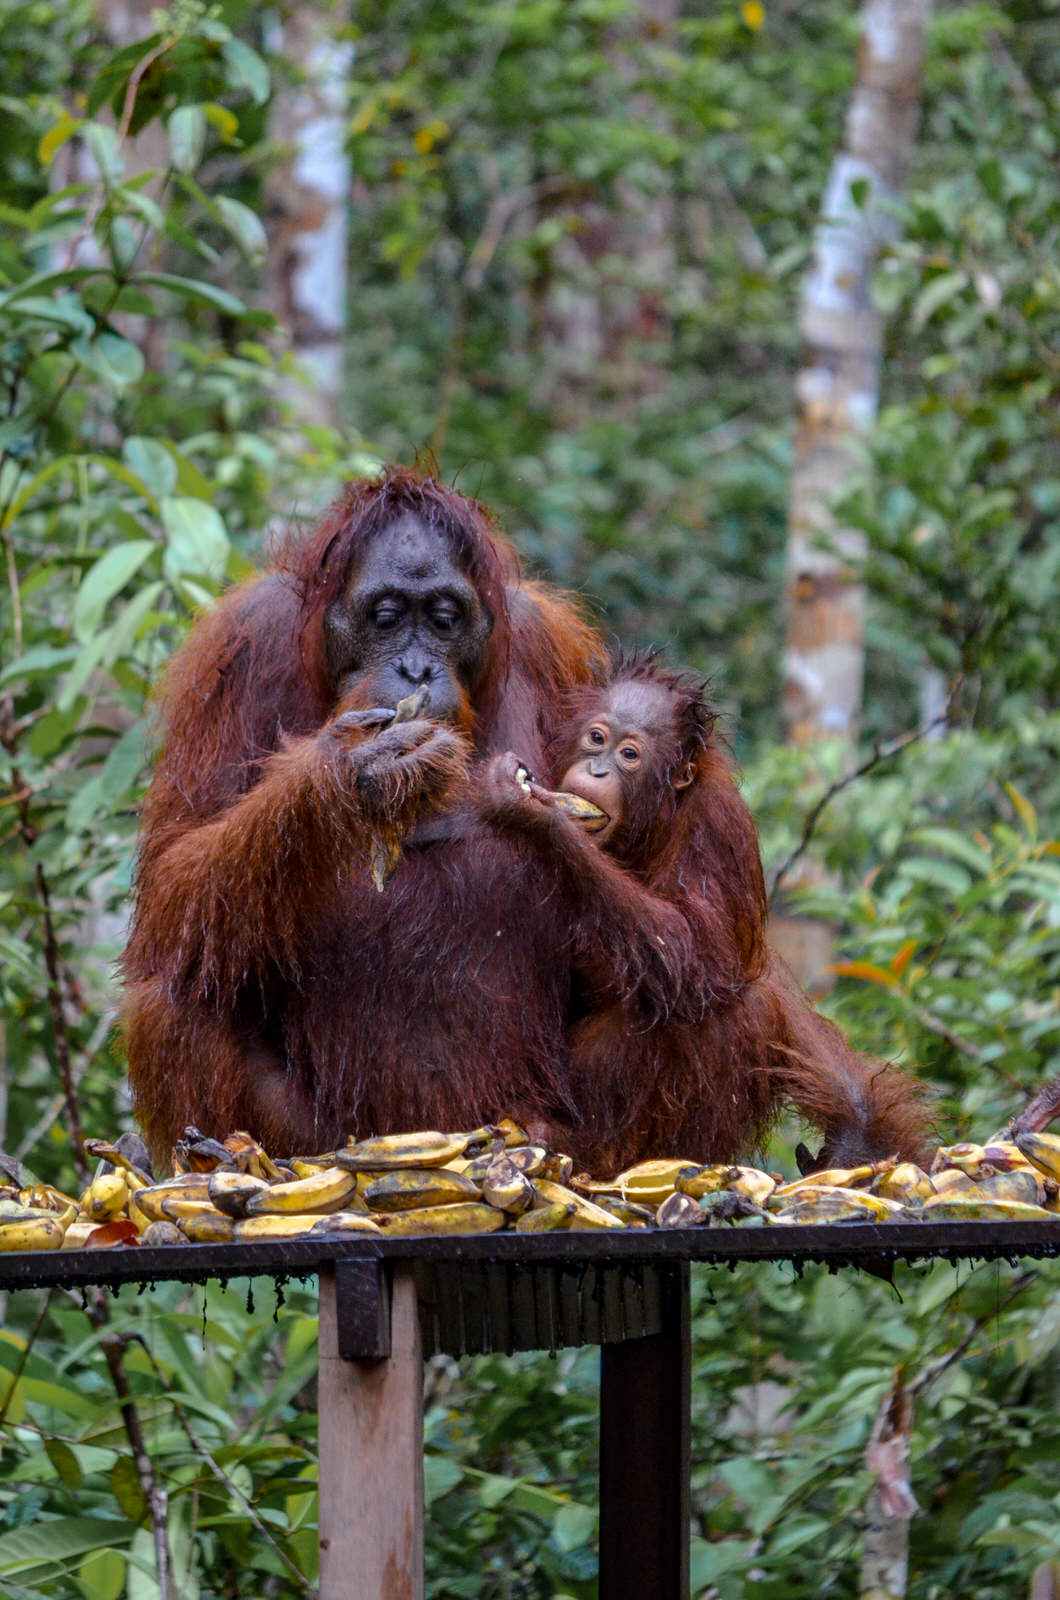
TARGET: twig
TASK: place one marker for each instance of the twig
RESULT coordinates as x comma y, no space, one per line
24,1355
935,1369
933,1025
880,753
218,1471
56,1104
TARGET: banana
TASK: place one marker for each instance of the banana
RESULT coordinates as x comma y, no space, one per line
874,1205
529,1158
204,1226
36,1233
470,1217
158,1233
505,1187
78,1234
511,1132
1022,1184
829,1178
972,1207
811,1212
628,1212
649,1182
231,1191
756,1185
952,1181
557,1168
329,1190
309,1167
695,1182
395,1150
146,1204
680,1211
1043,1149
17,1211
106,1196
419,1187
586,1213
549,1219
967,1157
344,1222
907,1183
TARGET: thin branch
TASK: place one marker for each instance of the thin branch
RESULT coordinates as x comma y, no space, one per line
54,1108
935,1369
880,753
24,1355
933,1025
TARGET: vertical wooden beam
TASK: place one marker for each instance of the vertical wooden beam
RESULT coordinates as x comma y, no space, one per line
371,1456
645,1403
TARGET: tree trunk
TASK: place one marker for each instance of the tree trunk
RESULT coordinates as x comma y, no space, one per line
837,395
890,1503
306,202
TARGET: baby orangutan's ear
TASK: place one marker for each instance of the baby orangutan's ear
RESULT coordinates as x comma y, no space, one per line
685,776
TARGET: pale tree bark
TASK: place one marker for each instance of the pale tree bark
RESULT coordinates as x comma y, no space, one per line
837,396
306,202
891,1503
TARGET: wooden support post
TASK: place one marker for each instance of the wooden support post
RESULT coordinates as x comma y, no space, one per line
371,1454
645,1425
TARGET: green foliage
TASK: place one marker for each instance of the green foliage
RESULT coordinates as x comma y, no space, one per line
500,150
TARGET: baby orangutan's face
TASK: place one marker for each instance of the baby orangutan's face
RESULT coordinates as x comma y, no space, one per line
615,751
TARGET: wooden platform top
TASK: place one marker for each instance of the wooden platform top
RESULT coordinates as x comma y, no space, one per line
842,1244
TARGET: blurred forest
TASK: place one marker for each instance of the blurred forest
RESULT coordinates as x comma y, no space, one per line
247,252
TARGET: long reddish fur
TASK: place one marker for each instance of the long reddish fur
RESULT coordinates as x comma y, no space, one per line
707,1045
252,869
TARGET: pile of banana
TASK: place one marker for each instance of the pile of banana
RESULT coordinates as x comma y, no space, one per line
495,1178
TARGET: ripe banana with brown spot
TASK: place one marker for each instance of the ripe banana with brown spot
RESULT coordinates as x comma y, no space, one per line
396,1150
469,1217
326,1191
587,1214
418,1187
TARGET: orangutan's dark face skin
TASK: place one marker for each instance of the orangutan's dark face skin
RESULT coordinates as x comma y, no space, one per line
615,749
409,618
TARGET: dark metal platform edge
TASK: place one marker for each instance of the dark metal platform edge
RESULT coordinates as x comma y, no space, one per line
837,1244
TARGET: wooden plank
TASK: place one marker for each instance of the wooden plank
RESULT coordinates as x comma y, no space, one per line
362,1310
645,1402
371,1457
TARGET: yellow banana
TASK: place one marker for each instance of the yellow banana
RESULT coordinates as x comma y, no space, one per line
512,1133
147,1203
558,1168
1022,1184
549,1219
35,1233
231,1191
1043,1149
204,1225
419,1187
755,1184
966,1156
158,1233
972,1207
105,1196
649,1182
529,1158
874,1205
628,1212
326,1191
396,1150
695,1182
344,1222
907,1183
470,1217
77,1234
952,1181
828,1178
587,1214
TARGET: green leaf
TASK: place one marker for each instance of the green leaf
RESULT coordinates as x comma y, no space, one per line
103,146
207,294
440,1474
112,358
244,225
196,538
152,463
187,137
41,661
574,1526
101,1576
58,1539
103,581
935,294
127,1489
246,70
65,1462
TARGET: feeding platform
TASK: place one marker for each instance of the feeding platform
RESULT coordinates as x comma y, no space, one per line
386,1303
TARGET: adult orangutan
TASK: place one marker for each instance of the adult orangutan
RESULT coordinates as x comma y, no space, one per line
270,986
710,1036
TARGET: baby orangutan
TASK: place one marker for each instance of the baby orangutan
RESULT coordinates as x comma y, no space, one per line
689,1036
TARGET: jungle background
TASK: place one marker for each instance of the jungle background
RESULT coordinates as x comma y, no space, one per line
562,244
